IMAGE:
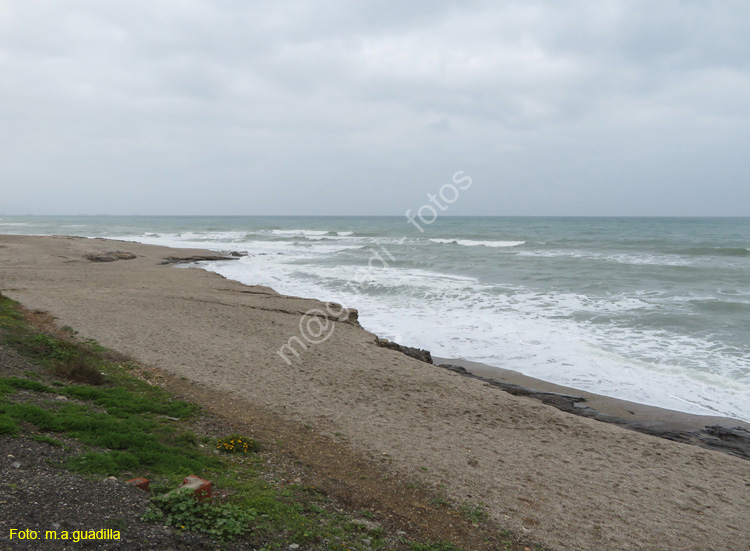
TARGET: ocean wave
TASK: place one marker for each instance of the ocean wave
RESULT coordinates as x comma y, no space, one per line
646,259
13,224
716,305
732,293
233,236
313,234
301,233
639,259
714,251
326,237
473,243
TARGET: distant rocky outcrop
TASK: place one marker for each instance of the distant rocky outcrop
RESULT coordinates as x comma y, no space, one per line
109,256
416,353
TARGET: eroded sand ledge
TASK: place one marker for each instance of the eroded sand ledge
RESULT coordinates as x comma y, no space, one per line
569,482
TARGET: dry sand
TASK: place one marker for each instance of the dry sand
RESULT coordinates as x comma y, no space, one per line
565,481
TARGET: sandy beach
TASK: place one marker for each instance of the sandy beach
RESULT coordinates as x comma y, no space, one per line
565,481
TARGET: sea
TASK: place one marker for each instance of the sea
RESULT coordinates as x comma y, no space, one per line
652,310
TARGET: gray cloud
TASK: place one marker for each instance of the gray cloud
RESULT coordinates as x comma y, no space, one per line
224,107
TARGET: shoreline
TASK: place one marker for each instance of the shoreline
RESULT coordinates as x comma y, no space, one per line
714,433
652,416
569,482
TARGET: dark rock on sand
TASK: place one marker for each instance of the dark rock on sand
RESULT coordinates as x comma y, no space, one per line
109,256
417,353
200,258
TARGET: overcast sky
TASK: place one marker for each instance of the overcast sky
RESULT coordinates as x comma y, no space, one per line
350,107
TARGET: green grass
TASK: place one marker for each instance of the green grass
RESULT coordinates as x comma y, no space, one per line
10,385
132,440
46,440
8,425
124,403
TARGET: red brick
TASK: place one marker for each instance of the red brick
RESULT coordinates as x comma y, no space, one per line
139,482
201,486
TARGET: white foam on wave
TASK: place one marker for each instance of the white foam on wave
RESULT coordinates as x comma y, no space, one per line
212,236
13,224
535,334
294,274
326,238
194,239
291,250
642,259
732,292
473,243
309,234
299,233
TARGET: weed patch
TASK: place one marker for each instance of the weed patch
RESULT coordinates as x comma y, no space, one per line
474,514
181,510
79,369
